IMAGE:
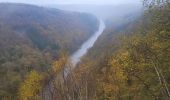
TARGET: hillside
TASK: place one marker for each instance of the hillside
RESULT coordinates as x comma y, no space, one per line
131,62
128,62
32,37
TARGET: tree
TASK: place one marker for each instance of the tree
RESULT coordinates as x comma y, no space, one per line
151,3
31,86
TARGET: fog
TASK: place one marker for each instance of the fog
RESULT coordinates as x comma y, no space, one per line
104,12
105,9
97,2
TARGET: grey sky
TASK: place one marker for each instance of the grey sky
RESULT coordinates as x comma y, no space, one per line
75,1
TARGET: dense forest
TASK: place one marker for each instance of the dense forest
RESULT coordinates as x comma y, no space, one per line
129,61
32,37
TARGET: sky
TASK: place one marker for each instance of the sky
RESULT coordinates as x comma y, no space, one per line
100,2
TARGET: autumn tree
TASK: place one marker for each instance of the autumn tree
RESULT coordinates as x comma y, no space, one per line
31,86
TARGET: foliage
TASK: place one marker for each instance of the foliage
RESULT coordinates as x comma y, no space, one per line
31,86
132,63
32,37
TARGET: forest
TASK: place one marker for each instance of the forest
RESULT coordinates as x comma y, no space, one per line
129,61
132,62
32,37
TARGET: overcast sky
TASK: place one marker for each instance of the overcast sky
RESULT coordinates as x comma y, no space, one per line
75,1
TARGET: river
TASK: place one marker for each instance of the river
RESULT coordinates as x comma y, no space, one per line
76,57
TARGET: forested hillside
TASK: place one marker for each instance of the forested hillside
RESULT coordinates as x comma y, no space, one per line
32,37
128,62
132,62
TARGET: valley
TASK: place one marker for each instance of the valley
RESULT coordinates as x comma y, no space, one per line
85,50
33,37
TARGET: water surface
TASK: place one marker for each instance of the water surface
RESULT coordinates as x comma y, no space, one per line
76,57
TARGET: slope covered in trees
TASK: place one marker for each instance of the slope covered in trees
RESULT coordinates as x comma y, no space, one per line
132,62
32,37
128,62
